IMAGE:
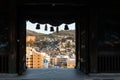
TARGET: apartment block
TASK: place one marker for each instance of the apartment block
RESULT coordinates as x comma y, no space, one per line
70,63
34,59
38,60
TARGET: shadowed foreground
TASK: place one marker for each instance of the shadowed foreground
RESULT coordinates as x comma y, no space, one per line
58,74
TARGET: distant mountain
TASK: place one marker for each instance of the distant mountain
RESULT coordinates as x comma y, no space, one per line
60,33
65,32
32,33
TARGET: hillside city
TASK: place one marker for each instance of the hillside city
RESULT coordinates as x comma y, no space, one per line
56,50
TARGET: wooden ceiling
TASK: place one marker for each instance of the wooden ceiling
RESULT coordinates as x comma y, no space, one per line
53,12
34,2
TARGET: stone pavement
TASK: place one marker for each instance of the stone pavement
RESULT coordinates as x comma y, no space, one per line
58,74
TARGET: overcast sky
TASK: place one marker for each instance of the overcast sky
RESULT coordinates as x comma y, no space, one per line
31,26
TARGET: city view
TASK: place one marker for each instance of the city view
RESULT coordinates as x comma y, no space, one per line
54,50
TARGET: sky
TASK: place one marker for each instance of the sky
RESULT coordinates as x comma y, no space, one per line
31,26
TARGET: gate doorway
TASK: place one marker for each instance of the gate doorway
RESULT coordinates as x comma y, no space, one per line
50,46
54,16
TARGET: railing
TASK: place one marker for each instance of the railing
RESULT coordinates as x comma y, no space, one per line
3,64
109,64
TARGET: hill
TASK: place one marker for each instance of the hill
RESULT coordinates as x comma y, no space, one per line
67,32
32,33
53,35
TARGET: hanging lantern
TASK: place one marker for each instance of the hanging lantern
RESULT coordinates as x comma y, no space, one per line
57,29
38,26
66,27
51,29
45,27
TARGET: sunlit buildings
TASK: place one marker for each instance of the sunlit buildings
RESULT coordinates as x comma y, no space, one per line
34,59
70,63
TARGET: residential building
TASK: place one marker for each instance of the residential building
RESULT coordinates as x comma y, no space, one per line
70,63
30,38
34,59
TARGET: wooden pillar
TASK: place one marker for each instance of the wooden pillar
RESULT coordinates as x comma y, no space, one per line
77,43
93,40
12,36
21,45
